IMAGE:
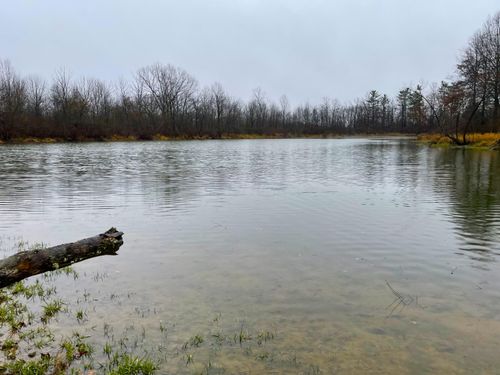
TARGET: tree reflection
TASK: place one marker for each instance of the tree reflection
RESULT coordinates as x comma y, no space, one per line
471,179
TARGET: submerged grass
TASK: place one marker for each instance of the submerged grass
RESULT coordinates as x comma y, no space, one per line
29,345
34,336
127,365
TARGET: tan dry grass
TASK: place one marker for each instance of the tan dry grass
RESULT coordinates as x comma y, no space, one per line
475,139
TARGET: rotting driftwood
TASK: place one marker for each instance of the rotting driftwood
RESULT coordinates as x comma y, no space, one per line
29,263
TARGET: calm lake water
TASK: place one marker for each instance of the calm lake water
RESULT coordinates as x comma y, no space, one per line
299,238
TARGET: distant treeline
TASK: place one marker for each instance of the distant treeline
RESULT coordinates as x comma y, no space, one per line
166,100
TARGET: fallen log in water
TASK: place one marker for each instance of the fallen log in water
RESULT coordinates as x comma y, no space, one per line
29,263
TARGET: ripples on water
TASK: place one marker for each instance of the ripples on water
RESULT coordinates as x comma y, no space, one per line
297,234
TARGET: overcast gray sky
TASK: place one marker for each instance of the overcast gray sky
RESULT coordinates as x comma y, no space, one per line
306,49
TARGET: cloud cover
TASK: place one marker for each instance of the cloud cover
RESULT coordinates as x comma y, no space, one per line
306,49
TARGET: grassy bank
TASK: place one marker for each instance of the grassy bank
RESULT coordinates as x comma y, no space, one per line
162,137
476,140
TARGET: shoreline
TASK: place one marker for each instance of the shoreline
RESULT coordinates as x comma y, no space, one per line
477,141
159,137
486,141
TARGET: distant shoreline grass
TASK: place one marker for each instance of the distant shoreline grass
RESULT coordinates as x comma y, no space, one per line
476,140
224,136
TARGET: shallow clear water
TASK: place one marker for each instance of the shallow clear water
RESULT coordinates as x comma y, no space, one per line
299,237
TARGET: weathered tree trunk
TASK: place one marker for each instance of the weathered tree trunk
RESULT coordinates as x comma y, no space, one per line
29,263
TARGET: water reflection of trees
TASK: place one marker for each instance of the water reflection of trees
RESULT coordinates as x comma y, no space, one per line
174,176
470,181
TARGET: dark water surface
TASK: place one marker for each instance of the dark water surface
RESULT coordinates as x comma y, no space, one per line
296,237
